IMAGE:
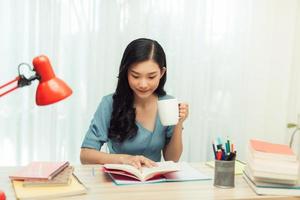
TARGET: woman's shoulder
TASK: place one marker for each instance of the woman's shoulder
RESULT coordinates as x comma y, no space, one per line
166,96
106,101
108,98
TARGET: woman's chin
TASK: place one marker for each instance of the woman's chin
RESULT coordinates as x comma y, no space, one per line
143,95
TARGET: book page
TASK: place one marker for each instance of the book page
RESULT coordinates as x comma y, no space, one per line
127,168
162,168
145,173
186,173
125,180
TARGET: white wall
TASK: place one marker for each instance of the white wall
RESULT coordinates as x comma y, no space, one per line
235,62
294,91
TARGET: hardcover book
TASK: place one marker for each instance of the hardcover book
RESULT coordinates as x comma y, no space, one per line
63,178
39,170
263,188
263,149
272,162
36,193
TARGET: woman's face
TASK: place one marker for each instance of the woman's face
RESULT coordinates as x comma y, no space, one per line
144,77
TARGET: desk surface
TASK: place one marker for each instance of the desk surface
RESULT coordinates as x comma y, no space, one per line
101,187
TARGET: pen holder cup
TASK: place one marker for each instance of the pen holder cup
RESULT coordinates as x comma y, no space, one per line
224,173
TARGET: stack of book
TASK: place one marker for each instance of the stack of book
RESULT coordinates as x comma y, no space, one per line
272,169
40,180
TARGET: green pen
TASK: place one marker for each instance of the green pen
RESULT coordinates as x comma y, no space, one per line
228,144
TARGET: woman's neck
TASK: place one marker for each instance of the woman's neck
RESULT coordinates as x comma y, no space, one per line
138,102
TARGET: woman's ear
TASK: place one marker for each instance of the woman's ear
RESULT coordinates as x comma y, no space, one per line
163,71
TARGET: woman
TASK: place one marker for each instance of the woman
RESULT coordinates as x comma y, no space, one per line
127,120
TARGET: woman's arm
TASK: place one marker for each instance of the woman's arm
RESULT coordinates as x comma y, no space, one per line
173,149
92,156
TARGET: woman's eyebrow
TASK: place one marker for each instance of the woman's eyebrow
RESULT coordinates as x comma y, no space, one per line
134,72
151,73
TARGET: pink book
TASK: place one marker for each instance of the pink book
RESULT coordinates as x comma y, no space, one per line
39,170
268,147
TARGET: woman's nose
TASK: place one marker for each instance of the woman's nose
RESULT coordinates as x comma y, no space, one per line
143,83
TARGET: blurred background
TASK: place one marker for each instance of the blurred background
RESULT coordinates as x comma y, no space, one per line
237,63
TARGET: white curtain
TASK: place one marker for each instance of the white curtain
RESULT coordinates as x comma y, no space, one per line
235,62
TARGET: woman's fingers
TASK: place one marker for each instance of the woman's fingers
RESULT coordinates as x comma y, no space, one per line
139,161
147,162
183,111
138,164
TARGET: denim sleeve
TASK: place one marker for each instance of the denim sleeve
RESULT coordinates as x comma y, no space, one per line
169,133
97,133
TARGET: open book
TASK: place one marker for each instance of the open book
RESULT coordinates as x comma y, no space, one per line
145,173
165,172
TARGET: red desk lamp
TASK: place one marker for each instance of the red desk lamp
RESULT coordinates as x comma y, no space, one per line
50,89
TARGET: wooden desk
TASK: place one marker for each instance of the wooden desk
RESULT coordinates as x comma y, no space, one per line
101,187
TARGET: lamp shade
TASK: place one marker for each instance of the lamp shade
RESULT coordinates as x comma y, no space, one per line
50,88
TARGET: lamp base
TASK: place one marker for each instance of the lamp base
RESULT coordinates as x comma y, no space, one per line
2,195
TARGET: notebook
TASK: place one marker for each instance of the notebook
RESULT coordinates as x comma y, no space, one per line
39,170
186,173
263,149
63,178
37,193
262,188
239,166
270,177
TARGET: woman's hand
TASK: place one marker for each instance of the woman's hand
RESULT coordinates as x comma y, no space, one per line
183,112
138,161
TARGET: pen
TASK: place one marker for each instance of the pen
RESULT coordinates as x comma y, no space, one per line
234,155
228,145
219,146
214,149
219,140
223,154
219,155
230,156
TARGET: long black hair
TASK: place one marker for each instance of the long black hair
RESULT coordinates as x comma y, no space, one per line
122,123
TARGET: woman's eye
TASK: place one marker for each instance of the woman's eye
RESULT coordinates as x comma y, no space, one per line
134,76
152,77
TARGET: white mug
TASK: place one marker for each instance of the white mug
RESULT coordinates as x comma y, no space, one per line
168,111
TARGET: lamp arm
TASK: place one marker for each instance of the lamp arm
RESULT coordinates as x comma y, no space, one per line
292,136
6,84
21,79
